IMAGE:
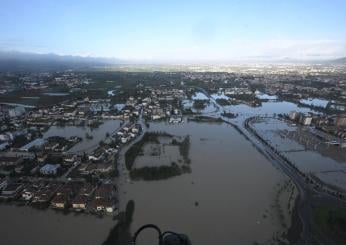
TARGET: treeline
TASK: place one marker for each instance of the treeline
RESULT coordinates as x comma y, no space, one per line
223,102
229,115
184,149
205,119
200,104
159,173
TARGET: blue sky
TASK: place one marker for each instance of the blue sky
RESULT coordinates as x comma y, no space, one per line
176,30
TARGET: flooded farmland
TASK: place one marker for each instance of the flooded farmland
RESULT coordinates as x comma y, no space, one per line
302,146
232,191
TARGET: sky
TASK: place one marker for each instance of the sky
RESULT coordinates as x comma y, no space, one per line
175,30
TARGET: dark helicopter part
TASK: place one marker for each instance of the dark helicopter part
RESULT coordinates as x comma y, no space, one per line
165,238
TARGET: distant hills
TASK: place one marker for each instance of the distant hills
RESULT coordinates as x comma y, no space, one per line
21,61
339,61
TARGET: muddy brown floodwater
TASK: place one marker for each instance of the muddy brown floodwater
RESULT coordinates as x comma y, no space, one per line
236,188
242,199
29,226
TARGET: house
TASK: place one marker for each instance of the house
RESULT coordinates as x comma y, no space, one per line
28,193
175,119
105,191
97,155
36,143
41,157
60,201
11,191
101,205
43,196
50,169
135,130
80,202
10,160
71,158
293,115
3,184
46,193
125,139
3,146
305,120
16,111
87,189
51,146
156,117
93,168
82,168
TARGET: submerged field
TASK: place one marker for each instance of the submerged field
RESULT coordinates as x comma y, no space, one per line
231,192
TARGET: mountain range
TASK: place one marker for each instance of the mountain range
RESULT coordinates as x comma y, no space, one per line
21,61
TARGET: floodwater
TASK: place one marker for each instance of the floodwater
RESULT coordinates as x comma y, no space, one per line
228,198
86,145
267,108
29,226
310,154
56,94
262,96
162,154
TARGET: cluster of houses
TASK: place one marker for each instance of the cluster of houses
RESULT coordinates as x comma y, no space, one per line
238,91
72,195
302,118
78,111
163,104
60,144
129,132
332,125
157,112
100,160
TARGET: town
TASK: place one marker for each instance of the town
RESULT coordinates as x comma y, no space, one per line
72,140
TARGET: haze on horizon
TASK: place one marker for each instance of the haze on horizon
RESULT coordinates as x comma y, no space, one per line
218,30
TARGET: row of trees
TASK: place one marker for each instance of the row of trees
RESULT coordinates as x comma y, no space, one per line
160,172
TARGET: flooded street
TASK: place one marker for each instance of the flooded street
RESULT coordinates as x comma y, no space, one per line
86,144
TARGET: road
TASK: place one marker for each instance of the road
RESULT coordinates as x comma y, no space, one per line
124,175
